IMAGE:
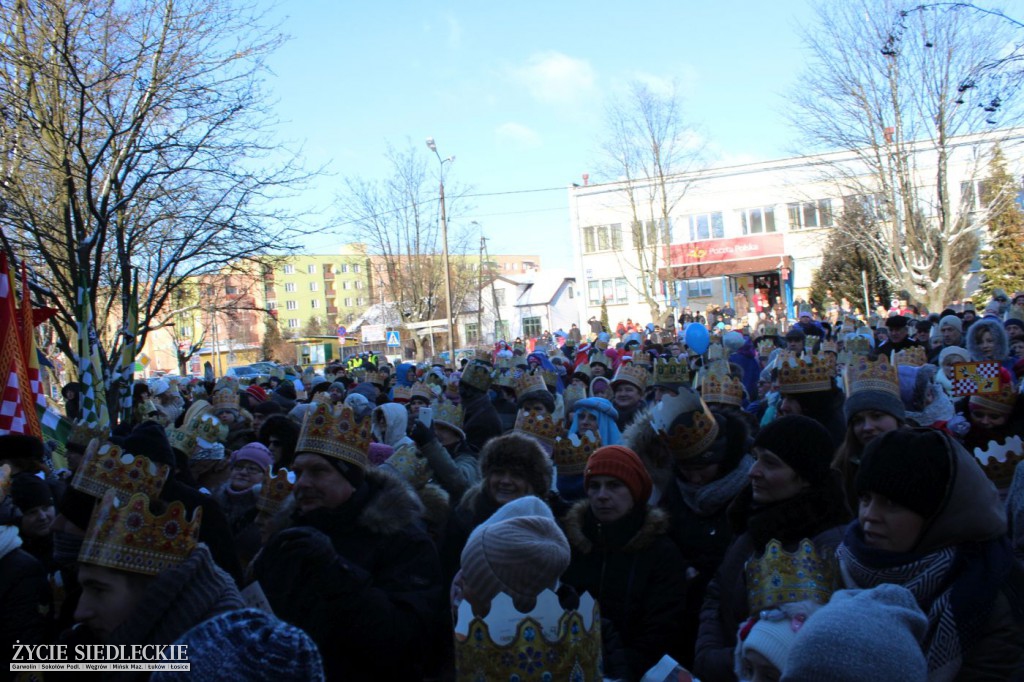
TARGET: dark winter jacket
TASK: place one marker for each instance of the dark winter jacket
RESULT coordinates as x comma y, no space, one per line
25,600
480,422
372,598
637,576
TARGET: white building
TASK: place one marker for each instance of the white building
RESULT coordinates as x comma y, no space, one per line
759,226
520,306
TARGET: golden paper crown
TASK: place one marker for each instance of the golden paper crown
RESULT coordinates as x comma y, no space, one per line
530,383
1001,401
208,430
225,399
335,432
230,383
540,425
549,378
275,491
407,463
641,359
572,394
127,536
144,409
914,356
719,387
476,375
829,347
548,643
584,369
799,375
684,423
503,363
779,577
858,344
715,352
1000,460
505,379
182,438
771,329
448,412
484,355
5,481
109,468
422,391
82,434
375,378
765,347
402,394
867,375
637,375
572,452
671,371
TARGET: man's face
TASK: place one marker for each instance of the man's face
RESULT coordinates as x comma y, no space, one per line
950,335
898,334
318,484
108,598
794,345
598,370
36,522
337,395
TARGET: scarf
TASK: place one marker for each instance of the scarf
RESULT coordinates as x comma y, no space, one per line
705,500
9,540
806,515
954,586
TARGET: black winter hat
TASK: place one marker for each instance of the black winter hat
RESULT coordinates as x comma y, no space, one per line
148,439
800,442
28,491
17,446
909,466
521,455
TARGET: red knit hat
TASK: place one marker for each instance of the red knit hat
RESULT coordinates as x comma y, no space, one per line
623,464
256,393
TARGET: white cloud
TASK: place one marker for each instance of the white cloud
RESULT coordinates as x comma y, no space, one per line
517,133
555,78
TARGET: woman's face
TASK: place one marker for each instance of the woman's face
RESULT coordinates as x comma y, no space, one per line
506,486
586,421
888,525
1017,348
790,406
987,419
869,424
986,345
948,362
699,475
772,480
609,497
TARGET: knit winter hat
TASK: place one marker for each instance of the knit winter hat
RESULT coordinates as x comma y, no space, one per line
28,491
521,455
909,466
247,644
861,635
256,393
954,350
800,442
520,551
148,439
257,453
952,321
883,401
266,408
773,633
623,464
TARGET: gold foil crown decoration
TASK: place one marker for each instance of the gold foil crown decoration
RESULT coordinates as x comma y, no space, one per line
684,423
915,356
637,375
225,399
375,378
671,371
719,387
484,355
422,391
82,434
864,374
336,433
799,375
448,412
402,394
1000,460
540,425
779,577
530,383
572,452
548,643
765,347
829,347
275,491
109,468
476,375
126,536
549,378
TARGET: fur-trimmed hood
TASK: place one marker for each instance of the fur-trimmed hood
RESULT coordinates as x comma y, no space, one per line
998,331
641,438
656,523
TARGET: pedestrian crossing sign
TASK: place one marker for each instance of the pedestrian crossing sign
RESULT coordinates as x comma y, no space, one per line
394,339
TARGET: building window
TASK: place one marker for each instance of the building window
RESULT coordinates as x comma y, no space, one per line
289,269
359,285
186,332
230,290
706,226
499,296
312,286
602,238
972,195
698,288
758,220
647,233
608,290
344,285
293,323
571,292
472,333
291,305
360,301
271,305
809,215
315,303
531,327
348,302
501,329
311,268
289,286
871,206
355,267
344,267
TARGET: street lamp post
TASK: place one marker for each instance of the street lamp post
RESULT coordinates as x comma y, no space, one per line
444,238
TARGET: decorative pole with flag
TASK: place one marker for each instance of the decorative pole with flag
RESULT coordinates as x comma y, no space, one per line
13,372
32,391
93,396
126,366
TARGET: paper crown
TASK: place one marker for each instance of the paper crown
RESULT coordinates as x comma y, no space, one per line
402,394
548,643
82,433
572,452
1001,401
504,379
422,391
1000,460
829,347
637,375
125,535
227,382
503,363
335,432
779,577
448,412
864,374
584,369
540,425
144,410
410,466
1015,312
572,394
225,399
765,347
5,481
530,383
549,378
799,375
207,430
684,423
375,378
641,359
858,344
109,468
718,387
476,375
770,329
915,356
275,491
484,355
668,371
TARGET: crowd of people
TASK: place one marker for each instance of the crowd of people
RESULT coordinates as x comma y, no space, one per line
837,500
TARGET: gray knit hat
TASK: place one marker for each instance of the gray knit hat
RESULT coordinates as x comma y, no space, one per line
861,635
883,401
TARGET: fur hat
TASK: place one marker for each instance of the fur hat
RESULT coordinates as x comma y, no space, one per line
17,446
623,464
521,455
800,442
266,408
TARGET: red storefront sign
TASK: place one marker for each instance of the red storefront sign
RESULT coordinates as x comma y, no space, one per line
719,250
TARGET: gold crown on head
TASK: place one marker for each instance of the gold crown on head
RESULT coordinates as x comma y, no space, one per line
225,399
476,375
829,347
336,433
641,359
684,423
549,378
275,491
914,356
719,387
572,452
548,643
182,438
858,344
864,374
375,378
82,433
505,379
208,430
779,577
799,375
770,329
125,535
999,460
484,355
530,383
410,466
715,352
438,361
572,394
765,347
422,391
540,425
109,467
584,369
448,412
671,371
402,394
503,363
637,375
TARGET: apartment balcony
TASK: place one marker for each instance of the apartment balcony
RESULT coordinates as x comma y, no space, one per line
330,292
332,310
328,276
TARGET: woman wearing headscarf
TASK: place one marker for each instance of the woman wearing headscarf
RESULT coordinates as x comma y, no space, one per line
594,416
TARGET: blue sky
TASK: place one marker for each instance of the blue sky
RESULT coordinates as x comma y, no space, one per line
516,91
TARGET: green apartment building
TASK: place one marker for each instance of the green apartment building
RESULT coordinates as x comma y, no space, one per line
331,288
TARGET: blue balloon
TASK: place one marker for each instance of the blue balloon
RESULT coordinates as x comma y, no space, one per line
696,337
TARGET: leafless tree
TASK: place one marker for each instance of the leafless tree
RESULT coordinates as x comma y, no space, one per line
648,146
135,138
888,83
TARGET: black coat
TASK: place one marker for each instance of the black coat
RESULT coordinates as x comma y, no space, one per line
372,600
481,422
637,576
25,601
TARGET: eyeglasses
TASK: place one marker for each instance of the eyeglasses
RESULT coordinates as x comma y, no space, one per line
248,468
